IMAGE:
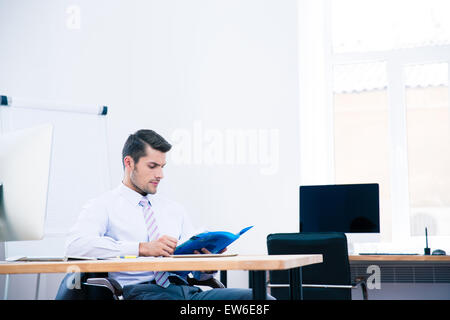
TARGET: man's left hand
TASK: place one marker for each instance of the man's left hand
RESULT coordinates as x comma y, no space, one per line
206,251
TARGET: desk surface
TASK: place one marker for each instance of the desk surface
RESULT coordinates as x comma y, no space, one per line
239,262
399,258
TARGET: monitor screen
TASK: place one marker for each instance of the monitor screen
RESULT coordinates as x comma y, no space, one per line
350,208
25,157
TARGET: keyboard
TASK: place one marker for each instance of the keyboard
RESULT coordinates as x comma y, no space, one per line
386,254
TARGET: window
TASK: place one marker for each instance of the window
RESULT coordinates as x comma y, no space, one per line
361,130
428,133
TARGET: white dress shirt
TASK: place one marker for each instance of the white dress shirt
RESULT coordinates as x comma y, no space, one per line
113,225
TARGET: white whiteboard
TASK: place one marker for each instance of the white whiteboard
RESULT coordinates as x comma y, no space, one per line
78,170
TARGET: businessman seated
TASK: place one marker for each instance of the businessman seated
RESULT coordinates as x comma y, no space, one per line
133,220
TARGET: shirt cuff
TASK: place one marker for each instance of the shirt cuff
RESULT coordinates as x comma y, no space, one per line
129,248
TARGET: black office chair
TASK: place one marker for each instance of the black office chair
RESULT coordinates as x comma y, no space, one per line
330,280
92,286
98,286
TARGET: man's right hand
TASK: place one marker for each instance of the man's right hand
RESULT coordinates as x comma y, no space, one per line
164,246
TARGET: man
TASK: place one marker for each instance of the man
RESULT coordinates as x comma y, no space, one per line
133,220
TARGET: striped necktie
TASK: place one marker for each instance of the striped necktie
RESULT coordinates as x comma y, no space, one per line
161,278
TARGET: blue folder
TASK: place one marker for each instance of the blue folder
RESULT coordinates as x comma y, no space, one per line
214,241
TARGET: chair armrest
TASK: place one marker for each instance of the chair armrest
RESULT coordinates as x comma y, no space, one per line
212,282
109,283
362,281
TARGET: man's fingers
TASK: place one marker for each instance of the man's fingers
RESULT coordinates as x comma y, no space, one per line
166,253
204,250
163,248
167,249
223,250
168,240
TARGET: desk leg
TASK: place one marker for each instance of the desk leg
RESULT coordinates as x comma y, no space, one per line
38,284
258,279
295,281
6,290
223,277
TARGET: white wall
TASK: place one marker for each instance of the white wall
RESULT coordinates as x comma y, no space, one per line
199,70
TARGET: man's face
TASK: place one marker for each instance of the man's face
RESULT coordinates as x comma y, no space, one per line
146,174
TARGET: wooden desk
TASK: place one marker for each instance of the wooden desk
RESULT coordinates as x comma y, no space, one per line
399,258
256,265
418,269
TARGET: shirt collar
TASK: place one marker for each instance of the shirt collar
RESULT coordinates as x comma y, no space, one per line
132,196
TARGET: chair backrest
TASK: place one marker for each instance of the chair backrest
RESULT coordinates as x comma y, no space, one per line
65,291
335,269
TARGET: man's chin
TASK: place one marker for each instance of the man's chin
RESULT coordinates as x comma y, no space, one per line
151,191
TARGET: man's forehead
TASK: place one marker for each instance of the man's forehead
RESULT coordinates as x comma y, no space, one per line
160,163
154,156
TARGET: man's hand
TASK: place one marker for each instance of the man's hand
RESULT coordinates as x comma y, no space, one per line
206,251
164,246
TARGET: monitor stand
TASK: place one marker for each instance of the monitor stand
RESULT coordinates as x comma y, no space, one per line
4,279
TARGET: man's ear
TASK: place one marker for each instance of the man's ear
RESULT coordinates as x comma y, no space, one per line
128,162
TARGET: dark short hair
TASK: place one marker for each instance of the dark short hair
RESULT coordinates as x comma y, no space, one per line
137,143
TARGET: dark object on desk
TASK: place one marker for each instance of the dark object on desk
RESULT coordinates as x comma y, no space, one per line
97,286
386,254
426,250
329,280
438,252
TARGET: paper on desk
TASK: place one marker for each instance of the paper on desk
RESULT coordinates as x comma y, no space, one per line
128,258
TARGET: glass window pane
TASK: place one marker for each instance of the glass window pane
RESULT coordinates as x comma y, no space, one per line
361,131
428,130
361,26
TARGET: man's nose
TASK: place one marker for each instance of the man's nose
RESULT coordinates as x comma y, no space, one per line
159,173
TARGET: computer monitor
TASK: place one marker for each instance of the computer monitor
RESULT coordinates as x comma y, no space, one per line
348,208
24,176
